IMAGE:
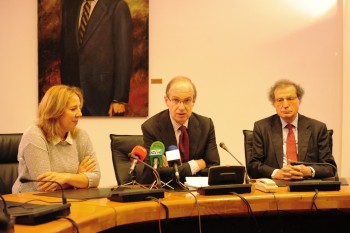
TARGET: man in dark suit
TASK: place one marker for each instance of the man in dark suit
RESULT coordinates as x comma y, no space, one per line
180,98
101,64
269,157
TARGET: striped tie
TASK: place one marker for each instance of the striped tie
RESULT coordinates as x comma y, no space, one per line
84,20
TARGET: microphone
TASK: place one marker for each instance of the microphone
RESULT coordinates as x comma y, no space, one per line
26,180
223,146
174,159
138,154
41,213
141,153
293,163
156,154
147,165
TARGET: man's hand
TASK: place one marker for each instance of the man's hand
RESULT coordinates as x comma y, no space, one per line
307,172
116,109
201,164
289,173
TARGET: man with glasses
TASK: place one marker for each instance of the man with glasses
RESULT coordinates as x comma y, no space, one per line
289,136
202,151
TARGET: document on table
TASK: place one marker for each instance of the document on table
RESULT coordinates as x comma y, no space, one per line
196,181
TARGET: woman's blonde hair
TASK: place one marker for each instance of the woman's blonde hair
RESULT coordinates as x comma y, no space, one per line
52,107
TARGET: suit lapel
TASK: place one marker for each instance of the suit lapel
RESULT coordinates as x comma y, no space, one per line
95,19
194,133
277,141
303,137
166,130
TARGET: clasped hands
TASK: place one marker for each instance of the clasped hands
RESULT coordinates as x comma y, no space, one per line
87,165
293,172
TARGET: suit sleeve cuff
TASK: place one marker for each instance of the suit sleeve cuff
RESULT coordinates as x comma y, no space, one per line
194,167
274,173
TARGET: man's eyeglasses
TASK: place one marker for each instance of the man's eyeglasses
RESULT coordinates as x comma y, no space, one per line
288,99
177,102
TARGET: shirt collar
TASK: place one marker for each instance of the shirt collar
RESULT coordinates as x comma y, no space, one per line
294,123
69,139
176,125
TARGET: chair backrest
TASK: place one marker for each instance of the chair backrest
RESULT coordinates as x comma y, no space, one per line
248,143
121,146
8,161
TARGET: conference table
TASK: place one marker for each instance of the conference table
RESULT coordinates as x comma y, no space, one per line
99,214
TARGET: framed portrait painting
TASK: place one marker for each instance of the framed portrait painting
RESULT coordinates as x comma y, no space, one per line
100,46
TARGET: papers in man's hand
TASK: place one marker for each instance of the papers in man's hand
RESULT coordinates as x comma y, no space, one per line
196,182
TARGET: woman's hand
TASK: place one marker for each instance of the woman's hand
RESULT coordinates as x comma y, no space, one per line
87,165
60,178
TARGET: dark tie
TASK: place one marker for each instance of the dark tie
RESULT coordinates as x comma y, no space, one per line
184,144
84,20
291,145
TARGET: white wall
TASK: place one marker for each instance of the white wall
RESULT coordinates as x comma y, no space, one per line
345,159
234,50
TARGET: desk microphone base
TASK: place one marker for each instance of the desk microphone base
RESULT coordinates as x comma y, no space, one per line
302,186
130,195
225,189
41,214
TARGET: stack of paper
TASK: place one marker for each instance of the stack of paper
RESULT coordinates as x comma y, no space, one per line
196,181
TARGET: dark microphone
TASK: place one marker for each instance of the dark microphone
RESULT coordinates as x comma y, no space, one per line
45,213
293,163
223,146
26,180
141,153
156,152
174,159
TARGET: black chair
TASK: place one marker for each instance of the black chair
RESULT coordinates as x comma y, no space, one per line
121,146
8,161
248,143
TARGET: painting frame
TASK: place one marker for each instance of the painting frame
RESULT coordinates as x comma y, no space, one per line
51,47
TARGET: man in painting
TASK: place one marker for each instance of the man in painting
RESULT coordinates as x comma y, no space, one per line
97,54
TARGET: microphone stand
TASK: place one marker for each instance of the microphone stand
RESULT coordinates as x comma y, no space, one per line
26,180
133,181
223,146
137,194
163,184
177,177
45,213
158,181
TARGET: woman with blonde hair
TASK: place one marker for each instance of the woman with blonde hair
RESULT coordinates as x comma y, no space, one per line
55,149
